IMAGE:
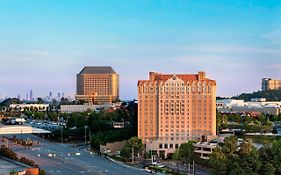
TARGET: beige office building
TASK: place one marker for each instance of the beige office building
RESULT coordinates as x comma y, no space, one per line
97,85
174,108
270,84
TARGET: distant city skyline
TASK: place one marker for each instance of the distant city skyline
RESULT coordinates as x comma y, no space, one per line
44,44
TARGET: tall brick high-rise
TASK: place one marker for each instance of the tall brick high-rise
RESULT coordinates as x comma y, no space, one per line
97,85
174,108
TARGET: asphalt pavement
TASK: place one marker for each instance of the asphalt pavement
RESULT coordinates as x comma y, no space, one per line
59,159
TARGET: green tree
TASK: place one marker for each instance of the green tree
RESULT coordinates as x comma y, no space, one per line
42,172
136,144
40,101
125,152
267,169
266,155
176,155
218,162
250,162
276,149
80,121
186,152
230,145
246,147
71,122
13,172
234,165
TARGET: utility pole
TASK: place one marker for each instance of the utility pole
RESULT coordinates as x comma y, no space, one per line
61,139
89,140
193,168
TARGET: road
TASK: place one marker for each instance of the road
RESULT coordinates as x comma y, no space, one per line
59,159
182,168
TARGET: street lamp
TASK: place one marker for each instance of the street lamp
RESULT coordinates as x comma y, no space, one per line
85,134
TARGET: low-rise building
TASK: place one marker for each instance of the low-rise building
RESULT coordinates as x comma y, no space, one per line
88,107
22,107
76,108
256,105
204,149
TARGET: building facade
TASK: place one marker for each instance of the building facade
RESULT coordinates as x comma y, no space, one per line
76,108
270,84
97,85
28,107
255,106
174,108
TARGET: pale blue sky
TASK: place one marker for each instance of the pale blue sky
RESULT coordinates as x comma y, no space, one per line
44,44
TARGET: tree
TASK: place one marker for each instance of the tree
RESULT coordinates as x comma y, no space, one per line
250,162
230,145
186,152
125,152
40,101
234,165
42,172
276,149
176,155
218,162
246,147
13,172
80,121
266,155
267,169
136,144
71,122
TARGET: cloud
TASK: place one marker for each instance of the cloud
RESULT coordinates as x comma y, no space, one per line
274,37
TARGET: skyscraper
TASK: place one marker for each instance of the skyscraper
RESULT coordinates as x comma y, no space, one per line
31,95
50,96
97,85
174,108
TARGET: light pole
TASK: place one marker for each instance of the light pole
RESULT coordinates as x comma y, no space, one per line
85,135
89,139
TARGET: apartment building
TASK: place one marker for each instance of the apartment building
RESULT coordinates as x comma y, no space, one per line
174,108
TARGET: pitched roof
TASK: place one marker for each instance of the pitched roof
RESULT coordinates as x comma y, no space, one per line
97,70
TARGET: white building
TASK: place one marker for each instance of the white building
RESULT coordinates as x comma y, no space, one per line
259,105
76,108
22,107
227,103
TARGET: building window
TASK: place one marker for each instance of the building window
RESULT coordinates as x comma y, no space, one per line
176,146
171,146
160,146
166,146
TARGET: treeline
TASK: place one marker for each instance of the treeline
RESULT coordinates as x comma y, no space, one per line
100,125
230,159
101,138
272,95
9,153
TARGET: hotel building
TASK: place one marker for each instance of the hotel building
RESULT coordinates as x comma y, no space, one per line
97,85
175,108
270,84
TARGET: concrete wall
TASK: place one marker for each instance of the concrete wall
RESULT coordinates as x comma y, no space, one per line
113,147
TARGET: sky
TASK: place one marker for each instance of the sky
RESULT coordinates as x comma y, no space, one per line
44,44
